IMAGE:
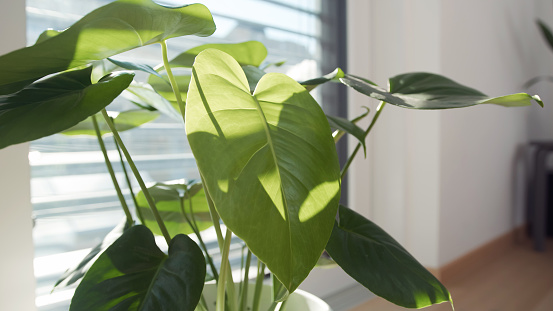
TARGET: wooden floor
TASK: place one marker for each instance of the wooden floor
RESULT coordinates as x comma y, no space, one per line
520,280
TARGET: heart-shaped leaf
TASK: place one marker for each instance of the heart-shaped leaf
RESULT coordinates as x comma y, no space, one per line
422,90
109,30
55,104
76,273
168,202
245,53
134,274
374,259
268,161
123,121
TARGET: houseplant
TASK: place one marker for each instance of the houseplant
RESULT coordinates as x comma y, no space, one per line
264,149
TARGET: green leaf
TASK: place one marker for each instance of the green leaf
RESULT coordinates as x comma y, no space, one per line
245,53
333,76
143,95
47,34
76,273
347,126
109,30
421,90
134,274
55,104
546,33
134,66
123,121
374,259
168,202
268,161
163,87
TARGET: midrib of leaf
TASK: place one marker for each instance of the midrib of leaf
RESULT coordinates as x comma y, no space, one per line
148,292
271,147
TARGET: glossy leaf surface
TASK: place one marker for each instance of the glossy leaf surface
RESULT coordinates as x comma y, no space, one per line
109,30
348,127
75,273
168,202
268,161
245,53
134,66
55,104
374,259
421,90
134,274
123,121
333,76
143,95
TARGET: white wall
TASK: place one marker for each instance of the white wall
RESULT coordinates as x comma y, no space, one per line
443,182
17,286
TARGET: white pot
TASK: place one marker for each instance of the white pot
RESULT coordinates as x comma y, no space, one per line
299,300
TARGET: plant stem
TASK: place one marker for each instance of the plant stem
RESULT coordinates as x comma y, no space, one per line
258,285
124,167
138,178
172,80
111,172
200,240
350,159
224,273
220,240
245,282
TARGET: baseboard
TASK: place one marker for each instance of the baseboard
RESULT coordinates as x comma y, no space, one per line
480,256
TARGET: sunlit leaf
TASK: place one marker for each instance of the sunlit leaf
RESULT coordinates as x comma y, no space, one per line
268,161
109,30
245,53
168,201
123,121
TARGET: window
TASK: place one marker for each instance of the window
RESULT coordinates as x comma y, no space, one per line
74,203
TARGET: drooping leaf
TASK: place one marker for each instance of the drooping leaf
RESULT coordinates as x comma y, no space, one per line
546,33
163,87
422,90
134,274
333,76
55,104
253,74
76,273
374,259
535,80
245,53
168,202
123,121
142,94
347,126
351,128
268,161
109,30
134,66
